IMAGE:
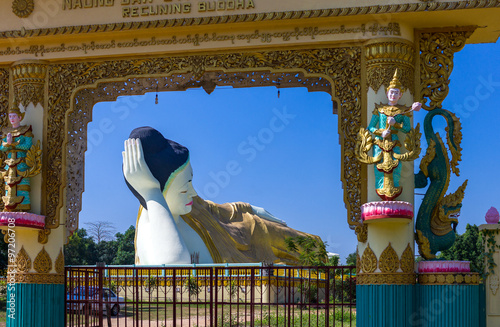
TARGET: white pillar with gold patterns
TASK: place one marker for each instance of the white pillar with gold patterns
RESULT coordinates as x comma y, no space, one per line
386,250
36,264
492,282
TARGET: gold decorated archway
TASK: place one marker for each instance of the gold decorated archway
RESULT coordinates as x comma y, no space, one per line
59,58
318,70
72,89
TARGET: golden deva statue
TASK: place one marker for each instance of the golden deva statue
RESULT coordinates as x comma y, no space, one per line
23,160
387,121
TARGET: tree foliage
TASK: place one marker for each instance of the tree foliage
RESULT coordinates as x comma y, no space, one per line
334,261
467,247
350,260
312,252
100,231
83,250
125,252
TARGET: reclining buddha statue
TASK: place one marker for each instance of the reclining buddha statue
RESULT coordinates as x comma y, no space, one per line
174,225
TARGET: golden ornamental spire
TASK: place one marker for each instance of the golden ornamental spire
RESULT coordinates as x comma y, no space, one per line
395,83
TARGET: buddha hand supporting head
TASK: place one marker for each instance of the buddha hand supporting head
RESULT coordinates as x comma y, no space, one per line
169,163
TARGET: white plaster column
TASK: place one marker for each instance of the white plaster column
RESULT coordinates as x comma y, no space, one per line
28,90
383,57
492,282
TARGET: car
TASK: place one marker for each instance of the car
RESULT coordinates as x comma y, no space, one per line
79,300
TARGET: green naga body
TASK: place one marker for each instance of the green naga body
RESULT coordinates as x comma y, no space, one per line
436,219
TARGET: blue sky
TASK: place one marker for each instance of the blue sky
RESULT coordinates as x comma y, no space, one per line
283,154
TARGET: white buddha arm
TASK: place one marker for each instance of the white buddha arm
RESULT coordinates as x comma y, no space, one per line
166,245
263,213
164,236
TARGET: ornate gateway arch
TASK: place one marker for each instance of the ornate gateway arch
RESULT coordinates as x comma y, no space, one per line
317,69
60,57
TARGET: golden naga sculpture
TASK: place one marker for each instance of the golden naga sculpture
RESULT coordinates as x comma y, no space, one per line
382,135
23,161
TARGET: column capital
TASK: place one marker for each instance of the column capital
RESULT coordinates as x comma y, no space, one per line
383,56
28,79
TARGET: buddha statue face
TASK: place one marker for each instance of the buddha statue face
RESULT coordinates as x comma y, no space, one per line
393,95
179,192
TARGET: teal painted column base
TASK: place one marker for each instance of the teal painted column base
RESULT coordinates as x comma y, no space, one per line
448,305
35,305
384,305
420,306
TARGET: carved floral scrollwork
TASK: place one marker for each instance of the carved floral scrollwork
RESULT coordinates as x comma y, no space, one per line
4,95
408,260
389,260
378,75
388,263
362,232
358,261
4,107
436,63
348,90
42,263
43,235
27,93
386,279
494,284
23,261
36,278
424,246
59,267
368,260
339,66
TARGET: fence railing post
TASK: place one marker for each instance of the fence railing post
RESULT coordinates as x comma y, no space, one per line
100,293
211,297
327,297
215,300
90,282
66,297
174,284
136,300
86,304
252,294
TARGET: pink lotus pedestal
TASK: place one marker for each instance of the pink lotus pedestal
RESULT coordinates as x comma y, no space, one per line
439,266
446,273
387,211
21,219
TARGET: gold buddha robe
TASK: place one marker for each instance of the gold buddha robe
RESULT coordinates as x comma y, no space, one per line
234,234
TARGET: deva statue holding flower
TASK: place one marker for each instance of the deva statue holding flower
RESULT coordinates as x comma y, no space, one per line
382,135
23,160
